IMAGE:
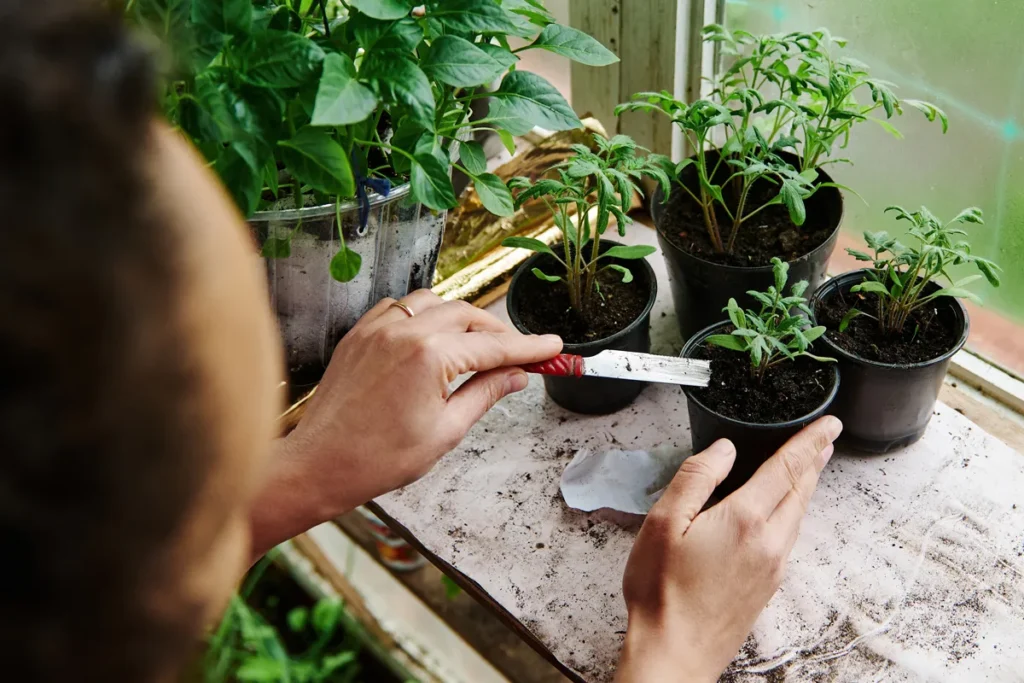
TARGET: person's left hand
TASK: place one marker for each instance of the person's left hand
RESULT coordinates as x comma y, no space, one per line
384,412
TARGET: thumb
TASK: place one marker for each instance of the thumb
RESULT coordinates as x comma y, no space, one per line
697,479
479,393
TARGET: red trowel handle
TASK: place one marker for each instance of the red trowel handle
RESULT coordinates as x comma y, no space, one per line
562,365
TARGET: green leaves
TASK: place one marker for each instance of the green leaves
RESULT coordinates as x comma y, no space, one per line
431,182
459,63
528,243
541,275
275,59
400,81
493,194
164,18
471,16
316,159
772,334
627,274
632,252
575,45
383,9
345,265
529,99
472,155
341,100
232,17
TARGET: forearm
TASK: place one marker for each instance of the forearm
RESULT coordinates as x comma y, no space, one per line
656,653
293,498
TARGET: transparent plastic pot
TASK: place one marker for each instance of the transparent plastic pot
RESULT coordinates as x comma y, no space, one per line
398,246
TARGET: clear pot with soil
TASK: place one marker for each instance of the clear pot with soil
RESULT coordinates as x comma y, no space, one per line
703,280
398,245
757,416
619,320
890,382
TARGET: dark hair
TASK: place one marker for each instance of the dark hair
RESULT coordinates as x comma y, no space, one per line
101,440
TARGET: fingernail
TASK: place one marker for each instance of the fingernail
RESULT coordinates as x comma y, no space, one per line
826,455
833,427
552,338
721,447
517,381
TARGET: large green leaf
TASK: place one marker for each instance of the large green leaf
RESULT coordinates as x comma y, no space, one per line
471,153
493,194
232,17
530,243
472,16
276,59
530,99
341,99
499,54
402,35
459,63
401,81
383,9
432,183
635,251
165,18
346,265
242,181
260,670
316,159
576,45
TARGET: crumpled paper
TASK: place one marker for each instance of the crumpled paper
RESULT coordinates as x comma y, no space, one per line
627,481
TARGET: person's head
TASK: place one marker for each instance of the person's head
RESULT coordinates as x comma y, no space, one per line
139,363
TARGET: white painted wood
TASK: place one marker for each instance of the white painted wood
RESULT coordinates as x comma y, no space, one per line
988,378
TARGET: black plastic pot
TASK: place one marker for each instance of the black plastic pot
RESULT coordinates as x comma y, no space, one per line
884,406
592,395
754,442
701,288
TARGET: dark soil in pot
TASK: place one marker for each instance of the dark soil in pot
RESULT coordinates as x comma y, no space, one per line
620,321
890,383
703,281
758,417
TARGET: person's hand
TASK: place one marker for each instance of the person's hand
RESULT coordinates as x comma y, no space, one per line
696,581
382,415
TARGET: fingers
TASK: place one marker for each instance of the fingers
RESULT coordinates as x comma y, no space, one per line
790,512
479,394
457,316
419,302
696,479
479,351
785,471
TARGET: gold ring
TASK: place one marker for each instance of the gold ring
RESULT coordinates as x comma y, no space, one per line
399,304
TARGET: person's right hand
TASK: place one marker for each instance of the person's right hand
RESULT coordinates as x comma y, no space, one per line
696,581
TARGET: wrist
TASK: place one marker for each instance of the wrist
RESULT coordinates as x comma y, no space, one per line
657,651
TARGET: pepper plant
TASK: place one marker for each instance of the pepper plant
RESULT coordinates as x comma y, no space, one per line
603,181
900,274
779,93
323,101
773,334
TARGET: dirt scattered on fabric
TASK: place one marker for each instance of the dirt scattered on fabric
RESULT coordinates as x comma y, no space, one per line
788,391
929,333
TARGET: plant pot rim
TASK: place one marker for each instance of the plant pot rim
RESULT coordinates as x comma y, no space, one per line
324,210
833,283
795,422
656,201
574,348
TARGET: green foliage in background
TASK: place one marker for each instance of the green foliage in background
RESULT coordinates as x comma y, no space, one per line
308,98
774,333
788,92
604,180
900,273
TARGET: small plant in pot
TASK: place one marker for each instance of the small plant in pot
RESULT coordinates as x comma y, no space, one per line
766,384
594,293
894,327
781,111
